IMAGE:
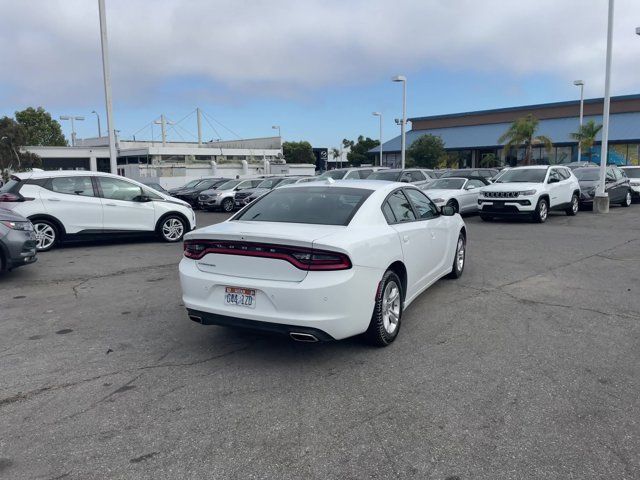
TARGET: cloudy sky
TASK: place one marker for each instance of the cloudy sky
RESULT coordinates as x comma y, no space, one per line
317,68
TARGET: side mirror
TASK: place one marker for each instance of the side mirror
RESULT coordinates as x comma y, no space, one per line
553,180
470,187
448,211
404,180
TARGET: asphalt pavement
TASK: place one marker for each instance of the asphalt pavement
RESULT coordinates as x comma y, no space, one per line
528,367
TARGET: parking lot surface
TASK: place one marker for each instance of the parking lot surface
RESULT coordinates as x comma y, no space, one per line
526,367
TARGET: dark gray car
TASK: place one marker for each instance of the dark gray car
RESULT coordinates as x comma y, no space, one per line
17,240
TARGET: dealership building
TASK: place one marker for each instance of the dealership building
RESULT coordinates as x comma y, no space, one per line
471,138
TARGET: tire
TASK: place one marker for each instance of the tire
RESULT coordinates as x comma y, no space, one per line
454,204
172,228
459,258
383,329
227,205
542,211
627,199
485,218
575,206
47,235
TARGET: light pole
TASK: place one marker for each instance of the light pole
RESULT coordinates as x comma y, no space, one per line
580,83
403,79
601,199
277,127
106,73
73,128
379,114
99,129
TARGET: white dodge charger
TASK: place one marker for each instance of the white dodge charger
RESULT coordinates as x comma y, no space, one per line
322,260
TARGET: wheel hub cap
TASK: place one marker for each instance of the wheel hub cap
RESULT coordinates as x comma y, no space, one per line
45,236
460,254
172,229
391,307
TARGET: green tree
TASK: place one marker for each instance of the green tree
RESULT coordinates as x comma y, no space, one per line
40,128
298,152
12,138
586,136
522,132
426,151
357,154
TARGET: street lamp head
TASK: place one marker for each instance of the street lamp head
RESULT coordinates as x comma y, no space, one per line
275,127
578,82
398,121
65,117
399,78
78,118
376,114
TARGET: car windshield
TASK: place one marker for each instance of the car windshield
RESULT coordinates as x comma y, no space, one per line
452,173
587,174
192,183
384,175
314,205
523,175
229,185
269,183
632,172
335,174
446,184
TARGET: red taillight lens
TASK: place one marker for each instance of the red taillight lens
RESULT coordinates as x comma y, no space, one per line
299,257
10,197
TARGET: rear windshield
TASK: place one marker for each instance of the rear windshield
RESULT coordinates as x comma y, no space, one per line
587,174
384,175
632,172
335,174
446,184
523,175
12,186
314,205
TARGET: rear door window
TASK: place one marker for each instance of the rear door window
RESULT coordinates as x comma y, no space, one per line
401,207
417,176
71,186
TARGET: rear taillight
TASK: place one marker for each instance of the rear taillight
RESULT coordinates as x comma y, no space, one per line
11,197
299,257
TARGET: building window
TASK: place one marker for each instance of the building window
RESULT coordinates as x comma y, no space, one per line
563,155
633,154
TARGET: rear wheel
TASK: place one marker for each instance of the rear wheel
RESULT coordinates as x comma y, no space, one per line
227,205
575,206
542,211
46,235
172,228
387,314
459,257
627,199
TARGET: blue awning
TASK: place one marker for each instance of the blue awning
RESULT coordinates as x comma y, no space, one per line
622,127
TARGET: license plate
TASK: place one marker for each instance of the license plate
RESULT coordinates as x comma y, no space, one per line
240,297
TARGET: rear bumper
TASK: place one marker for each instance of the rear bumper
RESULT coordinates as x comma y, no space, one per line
337,303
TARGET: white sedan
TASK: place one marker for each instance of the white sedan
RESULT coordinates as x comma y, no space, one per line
322,260
459,193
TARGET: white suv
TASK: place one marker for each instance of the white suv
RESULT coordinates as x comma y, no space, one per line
531,191
63,204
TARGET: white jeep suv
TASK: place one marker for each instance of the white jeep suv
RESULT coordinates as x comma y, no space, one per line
67,204
532,191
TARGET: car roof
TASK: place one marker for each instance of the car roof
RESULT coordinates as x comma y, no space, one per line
361,184
537,167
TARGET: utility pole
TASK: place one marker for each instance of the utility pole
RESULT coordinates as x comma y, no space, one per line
163,122
199,117
106,72
73,127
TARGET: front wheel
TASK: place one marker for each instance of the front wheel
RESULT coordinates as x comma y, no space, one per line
459,257
46,235
627,199
542,211
172,229
227,205
387,314
575,206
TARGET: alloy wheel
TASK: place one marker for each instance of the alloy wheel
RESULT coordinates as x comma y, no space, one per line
543,211
575,205
391,307
45,236
460,251
227,205
172,229
627,199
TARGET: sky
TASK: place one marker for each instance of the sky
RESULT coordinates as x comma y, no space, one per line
316,68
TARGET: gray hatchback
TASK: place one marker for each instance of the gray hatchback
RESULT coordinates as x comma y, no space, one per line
17,240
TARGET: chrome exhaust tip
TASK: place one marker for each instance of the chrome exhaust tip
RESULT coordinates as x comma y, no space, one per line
196,318
303,337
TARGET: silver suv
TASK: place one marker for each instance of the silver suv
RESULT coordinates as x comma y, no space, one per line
222,198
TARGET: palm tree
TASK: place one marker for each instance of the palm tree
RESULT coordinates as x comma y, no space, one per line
586,136
336,153
523,132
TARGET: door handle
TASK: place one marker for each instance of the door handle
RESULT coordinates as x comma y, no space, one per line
54,199
110,204
405,239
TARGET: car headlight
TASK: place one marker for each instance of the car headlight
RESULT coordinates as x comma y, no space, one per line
526,193
25,226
